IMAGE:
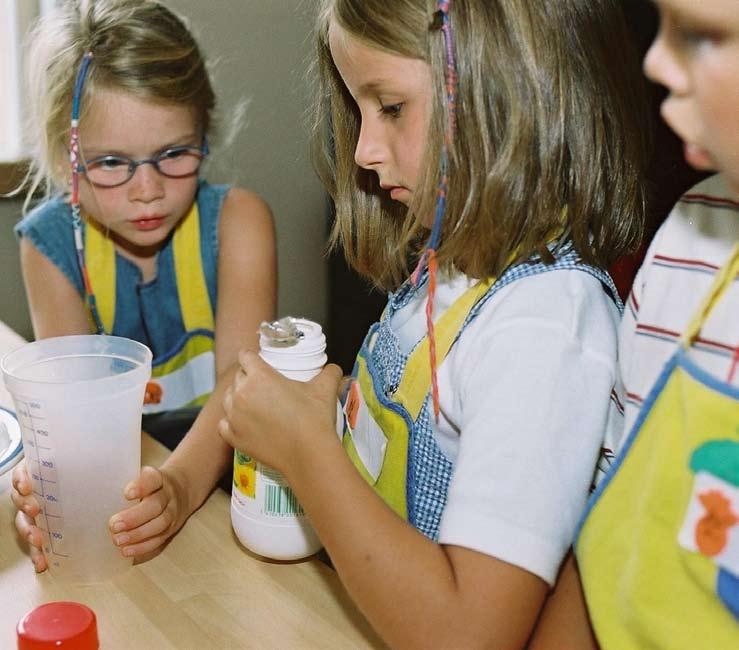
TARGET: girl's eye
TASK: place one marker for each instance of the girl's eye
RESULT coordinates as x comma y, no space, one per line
173,154
109,163
690,37
391,110
693,36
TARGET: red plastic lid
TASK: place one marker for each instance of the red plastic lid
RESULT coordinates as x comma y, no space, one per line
67,625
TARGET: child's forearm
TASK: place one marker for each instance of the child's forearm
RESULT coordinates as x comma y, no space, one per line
564,621
415,592
202,456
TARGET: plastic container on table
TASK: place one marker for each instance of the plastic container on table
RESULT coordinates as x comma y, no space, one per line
78,400
265,514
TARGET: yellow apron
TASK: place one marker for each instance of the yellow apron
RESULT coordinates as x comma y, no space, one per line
659,549
185,375
378,426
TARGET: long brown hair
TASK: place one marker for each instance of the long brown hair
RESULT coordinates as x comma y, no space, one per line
550,135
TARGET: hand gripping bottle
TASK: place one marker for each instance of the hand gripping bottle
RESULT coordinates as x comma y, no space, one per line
265,514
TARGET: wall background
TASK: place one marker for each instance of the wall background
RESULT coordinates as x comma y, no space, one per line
259,53
13,310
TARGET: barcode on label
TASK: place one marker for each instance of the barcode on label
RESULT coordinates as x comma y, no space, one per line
280,500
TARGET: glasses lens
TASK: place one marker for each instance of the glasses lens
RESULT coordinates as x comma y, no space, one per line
179,162
108,171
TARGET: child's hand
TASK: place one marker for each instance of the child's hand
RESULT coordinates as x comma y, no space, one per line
144,528
28,508
273,418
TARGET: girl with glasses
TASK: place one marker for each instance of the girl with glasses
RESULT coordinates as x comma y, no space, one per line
129,239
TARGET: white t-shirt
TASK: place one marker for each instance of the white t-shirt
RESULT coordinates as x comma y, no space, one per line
527,399
680,265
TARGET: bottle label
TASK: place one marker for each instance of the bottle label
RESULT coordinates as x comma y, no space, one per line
265,489
278,498
245,470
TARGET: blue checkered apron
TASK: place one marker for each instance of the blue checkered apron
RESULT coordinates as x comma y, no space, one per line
428,470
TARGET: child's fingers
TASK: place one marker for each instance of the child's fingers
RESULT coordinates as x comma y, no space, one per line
228,400
145,547
39,559
137,515
152,528
34,536
329,379
247,358
26,504
22,491
239,380
21,481
28,531
149,481
225,431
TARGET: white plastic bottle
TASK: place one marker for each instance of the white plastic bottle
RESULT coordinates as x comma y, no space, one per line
265,514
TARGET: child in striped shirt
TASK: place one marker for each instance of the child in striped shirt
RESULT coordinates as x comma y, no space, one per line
659,548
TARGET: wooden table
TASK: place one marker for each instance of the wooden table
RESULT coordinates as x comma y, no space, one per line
203,591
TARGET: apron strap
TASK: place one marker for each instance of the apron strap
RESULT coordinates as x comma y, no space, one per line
446,329
100,262
192,289
418,370
197,312
724,277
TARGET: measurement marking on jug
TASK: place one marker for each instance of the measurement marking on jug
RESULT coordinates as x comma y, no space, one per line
34,423
45,480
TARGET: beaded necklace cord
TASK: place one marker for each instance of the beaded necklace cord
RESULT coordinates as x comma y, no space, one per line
428,258
74,159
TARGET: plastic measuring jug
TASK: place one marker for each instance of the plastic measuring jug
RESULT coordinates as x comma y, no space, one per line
79,400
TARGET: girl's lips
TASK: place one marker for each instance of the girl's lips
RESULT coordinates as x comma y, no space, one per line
397,192
400,193
148,223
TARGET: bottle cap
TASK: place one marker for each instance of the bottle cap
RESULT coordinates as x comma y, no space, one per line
61,624
293,344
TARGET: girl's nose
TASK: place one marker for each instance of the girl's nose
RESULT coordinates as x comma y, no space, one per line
662,66
146,184
368,152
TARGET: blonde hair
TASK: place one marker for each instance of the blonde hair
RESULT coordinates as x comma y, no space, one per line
549,111
139,47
